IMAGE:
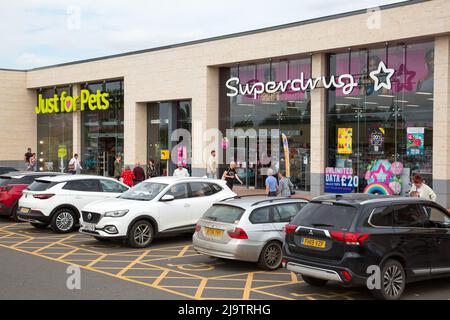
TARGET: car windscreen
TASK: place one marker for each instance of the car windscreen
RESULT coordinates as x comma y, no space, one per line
41,185
223,213
4,180
144,191
326,216
10,180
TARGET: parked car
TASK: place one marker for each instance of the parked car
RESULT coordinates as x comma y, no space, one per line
4,170
339,237
11,187
247,229
57,201
157,206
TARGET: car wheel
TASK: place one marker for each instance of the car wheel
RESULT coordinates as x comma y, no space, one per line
271,256
315,282
14,213
393,281
39,225
63,221
141,234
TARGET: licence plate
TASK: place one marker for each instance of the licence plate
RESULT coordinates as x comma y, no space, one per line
89,227
24,210
213,232
308,242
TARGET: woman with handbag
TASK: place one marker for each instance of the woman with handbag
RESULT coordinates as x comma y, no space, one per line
285,186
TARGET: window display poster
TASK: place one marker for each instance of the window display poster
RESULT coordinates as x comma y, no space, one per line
376,140
415,137
286,154
344,141
340,180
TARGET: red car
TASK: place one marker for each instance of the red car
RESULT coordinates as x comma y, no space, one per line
11,186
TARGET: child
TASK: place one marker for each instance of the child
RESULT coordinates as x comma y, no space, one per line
414,194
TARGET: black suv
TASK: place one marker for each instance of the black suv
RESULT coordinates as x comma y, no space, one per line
383,242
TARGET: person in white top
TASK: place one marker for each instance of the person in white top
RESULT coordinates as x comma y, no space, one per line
74,165
211,168
180,171
419,188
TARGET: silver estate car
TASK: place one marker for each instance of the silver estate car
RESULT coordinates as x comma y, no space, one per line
248,229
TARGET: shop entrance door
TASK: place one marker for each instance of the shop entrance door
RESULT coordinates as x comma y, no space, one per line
106,156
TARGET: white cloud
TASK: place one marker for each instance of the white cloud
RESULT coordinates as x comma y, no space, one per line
47,31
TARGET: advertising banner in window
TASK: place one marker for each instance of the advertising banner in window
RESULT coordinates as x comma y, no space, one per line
344,141
415,137
376,140
340,180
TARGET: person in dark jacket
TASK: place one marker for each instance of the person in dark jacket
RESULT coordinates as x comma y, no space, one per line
151,169
118,167
139,173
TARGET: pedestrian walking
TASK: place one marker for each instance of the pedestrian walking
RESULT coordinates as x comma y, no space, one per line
74,165
285,185
419,187
230,175
27,157
33,162
127,176
211,167
180,171
118,167
271,184
151,169
139,173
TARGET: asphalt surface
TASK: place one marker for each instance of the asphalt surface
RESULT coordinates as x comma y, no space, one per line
33,265
24,276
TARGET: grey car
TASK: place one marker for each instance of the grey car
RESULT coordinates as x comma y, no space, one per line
246,229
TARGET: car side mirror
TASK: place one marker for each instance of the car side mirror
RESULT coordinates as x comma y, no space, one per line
167,197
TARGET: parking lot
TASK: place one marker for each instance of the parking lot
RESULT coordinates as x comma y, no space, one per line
175,270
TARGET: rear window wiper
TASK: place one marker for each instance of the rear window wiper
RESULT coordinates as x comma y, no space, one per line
211,218
322,225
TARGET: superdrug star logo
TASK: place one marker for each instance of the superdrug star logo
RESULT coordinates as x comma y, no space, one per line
382,77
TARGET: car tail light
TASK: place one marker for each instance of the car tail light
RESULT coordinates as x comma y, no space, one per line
43,196
5,188
237,233
290,228
197,228
346,275
350,238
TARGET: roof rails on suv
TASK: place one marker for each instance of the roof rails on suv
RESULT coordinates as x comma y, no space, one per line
271,200
245,196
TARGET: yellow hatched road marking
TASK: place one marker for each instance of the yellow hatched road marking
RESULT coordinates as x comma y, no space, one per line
52,244
183,251
248,286
201,287
271,294
93,262
103,272
160,278
67,254
132,263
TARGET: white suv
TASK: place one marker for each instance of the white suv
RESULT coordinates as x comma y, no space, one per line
58,200
156,206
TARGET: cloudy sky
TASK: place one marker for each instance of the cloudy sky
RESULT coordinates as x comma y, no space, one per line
42,32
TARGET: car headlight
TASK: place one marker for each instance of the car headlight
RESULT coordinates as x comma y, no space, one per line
116,213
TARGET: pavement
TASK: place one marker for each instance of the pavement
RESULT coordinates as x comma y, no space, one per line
34,266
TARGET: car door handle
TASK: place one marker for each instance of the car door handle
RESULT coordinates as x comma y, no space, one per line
186,205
